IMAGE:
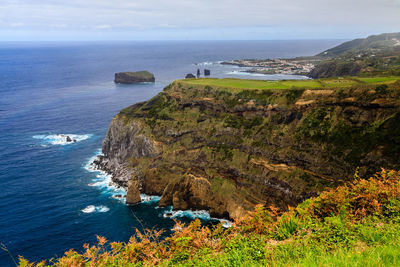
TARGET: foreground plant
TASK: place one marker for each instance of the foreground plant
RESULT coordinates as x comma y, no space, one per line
356,224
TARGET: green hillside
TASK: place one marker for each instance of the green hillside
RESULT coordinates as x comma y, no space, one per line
374,43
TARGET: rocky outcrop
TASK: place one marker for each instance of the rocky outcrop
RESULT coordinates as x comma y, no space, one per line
124,142
203,148
134,77
193,192
133,194
190,76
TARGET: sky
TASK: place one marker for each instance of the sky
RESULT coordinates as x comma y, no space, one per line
92,20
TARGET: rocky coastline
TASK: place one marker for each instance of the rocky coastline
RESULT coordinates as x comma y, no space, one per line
201,148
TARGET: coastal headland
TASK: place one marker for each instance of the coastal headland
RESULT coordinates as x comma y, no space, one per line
227,145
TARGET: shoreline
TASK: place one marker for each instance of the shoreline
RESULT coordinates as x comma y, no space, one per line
95,165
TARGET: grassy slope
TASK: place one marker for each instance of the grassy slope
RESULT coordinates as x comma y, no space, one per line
236,85
353,225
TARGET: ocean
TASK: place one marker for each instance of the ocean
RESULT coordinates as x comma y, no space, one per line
50,198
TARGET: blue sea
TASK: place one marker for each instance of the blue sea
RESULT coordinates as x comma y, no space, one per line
50,199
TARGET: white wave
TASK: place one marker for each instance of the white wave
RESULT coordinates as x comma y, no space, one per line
243,73
102,209
92,208
194,214
226,223
103,180
105,183
149,199
208,63
61,139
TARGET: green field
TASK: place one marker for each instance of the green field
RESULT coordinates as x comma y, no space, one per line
376,80
240,84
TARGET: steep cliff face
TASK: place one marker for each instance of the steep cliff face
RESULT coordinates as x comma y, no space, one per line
124,141
227,150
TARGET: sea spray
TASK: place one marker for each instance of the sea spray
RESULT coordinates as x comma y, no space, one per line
105,183
92,208
203,215
62,139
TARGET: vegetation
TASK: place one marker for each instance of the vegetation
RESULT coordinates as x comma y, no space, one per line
235,147
373,43
237,85
299,140
356,224
375,55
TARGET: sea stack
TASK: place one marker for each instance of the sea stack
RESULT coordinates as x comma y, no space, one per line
134,77
133,194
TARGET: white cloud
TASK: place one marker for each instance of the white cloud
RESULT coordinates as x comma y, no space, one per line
17,24
131,15
103,27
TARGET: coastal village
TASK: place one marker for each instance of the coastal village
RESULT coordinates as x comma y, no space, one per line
300,66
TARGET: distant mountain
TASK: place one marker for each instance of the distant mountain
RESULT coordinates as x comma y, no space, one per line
374,55
371,44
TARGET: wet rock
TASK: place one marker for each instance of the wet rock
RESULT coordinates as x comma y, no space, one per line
193,192
207,72
69,139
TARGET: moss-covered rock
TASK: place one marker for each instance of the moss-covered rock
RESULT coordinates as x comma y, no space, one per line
208,148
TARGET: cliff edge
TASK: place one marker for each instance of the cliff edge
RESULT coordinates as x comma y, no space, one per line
204,144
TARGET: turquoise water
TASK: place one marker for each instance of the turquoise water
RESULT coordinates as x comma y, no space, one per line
50,200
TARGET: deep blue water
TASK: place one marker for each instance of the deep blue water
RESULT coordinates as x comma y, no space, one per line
66,88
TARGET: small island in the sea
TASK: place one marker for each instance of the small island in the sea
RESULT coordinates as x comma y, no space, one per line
134,77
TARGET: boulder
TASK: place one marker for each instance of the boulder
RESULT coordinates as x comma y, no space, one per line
69,139
190,76
134,77
207,72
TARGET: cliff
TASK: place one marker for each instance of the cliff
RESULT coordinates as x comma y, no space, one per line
211,144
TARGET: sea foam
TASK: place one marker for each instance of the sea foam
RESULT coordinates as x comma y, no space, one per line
194,214
243,73
103,180
92,208
61,139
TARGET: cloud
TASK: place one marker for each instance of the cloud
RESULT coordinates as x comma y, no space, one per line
17,24
103,27
357,16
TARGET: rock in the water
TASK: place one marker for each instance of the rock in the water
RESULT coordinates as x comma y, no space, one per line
190,76
134,77
69,139
193,192
198,73
133,195
207,72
